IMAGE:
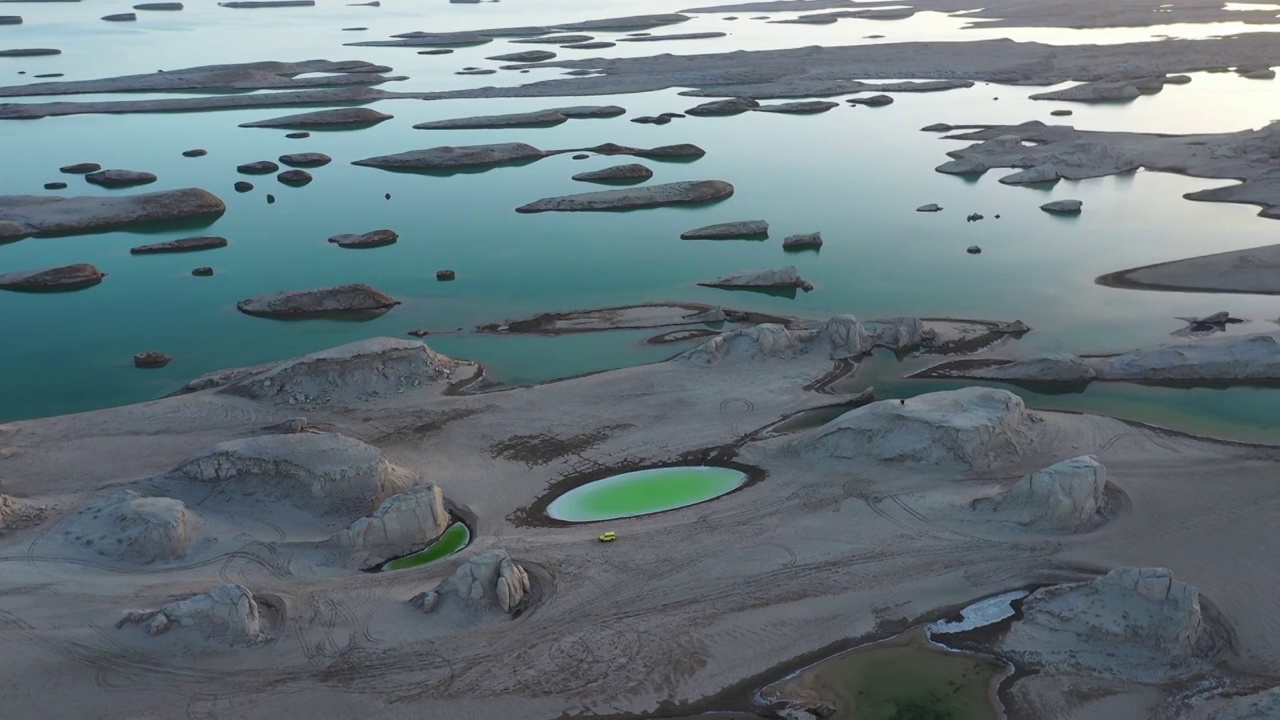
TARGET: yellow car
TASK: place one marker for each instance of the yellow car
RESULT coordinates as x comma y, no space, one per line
609,536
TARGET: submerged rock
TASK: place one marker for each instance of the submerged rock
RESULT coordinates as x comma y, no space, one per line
976,428
120,178
318,472
811,241
339,118
181,245
1067,496
742,229
1063,207
677,193
730,106
202,272
227,615
128,526
353,298
618,173
151,359
305,160
373,239
446,275
67,277
780,278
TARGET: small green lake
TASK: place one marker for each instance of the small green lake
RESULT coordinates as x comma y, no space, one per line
644,492
456,537
904,678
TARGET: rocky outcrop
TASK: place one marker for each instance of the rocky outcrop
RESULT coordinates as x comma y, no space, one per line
295,178
319,472
340,299
42,215
120,178
871,101
538,118
120,17
623,24
1062,207
1132,624
677,193
1254,706
352,373
404,523
80,168
68,277
372,239
306,159
632,173
803,107
808,241
1038,174
730,106
258,167
1106,90
128,526
778,279
482,584
526,56
930,208
840,338
449,158
181,245
680,151
226,615
646,38
29,52
974,428
1067,496
16,514
325,119
172,6
150,359
740,230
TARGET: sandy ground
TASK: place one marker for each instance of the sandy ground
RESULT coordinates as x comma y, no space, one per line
683,606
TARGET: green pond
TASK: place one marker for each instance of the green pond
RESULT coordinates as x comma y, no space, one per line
644,492
856,175
451,541
905,678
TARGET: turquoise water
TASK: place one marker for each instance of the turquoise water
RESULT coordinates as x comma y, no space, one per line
854,175
451,541
644,492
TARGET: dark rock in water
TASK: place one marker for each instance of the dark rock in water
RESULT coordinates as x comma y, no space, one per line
525,56
320,301
80,168
151,359
937,127
296,178
68,277
738,230
436,51
645,196
270,198
593,45
55,186
181,245
298,135
930,208
1060,113
418,333
873,101
308,160
1062,207
644,119
355,29
376,238
672,115
261,167
194,153
375,3
580,156
338,118
802,107
729,106
120,17
159,6
267,3
202,271
29,52
451,158
446,275
48,75
477,71
120,178
10,20
811,241
974,250
632,173
387,196
975,217
661,120
243,187
44,216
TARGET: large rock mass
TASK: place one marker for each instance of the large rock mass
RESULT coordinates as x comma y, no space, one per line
537,118
676,193
322,119
777,279
483,583
371,239
974,428
842,337
449,158
631,173
1065,496
404,523
120,178
68,277
353,373
353,298
226,615
1132,624
128,526
41,215
321,472
188,244
740,230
